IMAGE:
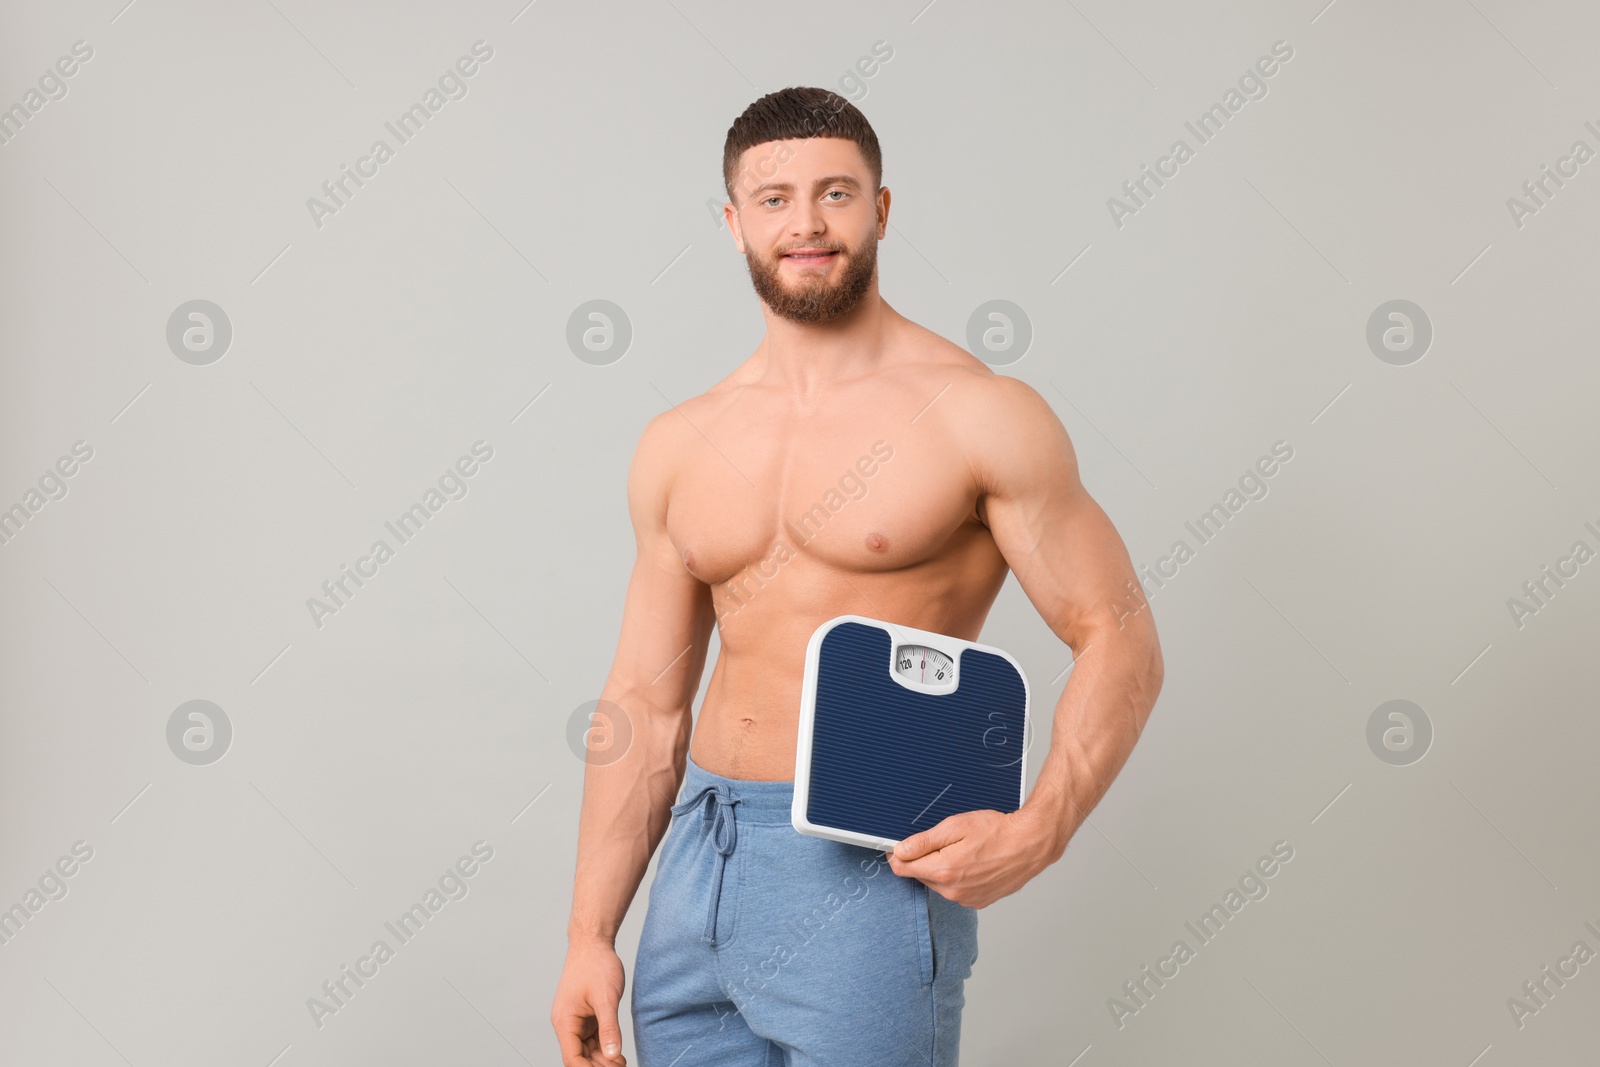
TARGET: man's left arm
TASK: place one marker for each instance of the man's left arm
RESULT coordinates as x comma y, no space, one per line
1073,566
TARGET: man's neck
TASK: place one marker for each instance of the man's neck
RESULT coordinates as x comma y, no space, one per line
804,359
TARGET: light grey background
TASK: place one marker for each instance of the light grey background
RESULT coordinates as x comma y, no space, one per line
430,312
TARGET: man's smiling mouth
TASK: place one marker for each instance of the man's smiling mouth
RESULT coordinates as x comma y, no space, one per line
810,255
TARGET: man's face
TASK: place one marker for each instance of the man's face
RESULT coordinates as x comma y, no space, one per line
808,221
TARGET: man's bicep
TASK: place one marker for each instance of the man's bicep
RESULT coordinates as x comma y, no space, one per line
1058,541
666,629
667,615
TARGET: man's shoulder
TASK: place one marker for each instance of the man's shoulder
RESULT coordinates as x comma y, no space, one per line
676,423
1002,425
923,348
979,399
978,390
676,429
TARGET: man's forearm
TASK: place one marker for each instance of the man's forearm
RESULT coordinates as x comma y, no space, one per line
1115,679
626,808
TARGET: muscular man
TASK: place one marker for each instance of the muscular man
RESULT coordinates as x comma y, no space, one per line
855,463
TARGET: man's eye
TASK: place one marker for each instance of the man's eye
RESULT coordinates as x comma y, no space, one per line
841,192
770,199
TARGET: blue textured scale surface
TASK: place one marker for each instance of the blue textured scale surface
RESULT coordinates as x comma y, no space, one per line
881,752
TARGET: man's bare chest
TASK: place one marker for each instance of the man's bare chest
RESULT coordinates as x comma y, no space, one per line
867,497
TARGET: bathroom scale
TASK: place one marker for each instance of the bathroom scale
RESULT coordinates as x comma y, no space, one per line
901,727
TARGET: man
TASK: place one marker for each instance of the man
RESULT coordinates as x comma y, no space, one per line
855,463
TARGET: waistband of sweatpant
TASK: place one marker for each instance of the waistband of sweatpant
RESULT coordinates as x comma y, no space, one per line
761,801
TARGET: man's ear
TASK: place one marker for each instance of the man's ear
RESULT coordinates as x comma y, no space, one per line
730,215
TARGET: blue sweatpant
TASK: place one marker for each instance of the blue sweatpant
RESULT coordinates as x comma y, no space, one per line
764,947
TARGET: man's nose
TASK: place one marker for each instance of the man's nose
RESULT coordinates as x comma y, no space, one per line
807,220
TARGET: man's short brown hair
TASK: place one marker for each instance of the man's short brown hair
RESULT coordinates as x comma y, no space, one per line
798,112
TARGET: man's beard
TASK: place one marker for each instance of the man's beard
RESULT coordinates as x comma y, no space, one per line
813,299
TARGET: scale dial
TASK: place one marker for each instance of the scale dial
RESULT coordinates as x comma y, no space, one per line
922,665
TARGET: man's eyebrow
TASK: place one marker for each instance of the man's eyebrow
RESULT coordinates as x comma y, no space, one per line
788,187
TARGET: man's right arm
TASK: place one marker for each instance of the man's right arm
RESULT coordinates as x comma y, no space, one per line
666,628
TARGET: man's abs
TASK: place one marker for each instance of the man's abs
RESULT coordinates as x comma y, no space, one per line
749,722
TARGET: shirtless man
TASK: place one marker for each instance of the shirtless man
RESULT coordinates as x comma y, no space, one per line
856,463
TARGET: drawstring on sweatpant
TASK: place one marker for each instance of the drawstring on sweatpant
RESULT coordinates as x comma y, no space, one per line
717,808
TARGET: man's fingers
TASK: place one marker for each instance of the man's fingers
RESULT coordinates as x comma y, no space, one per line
570,1034
610,1032
911,847
910,871
571,1045
930,840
